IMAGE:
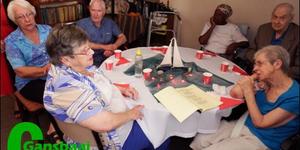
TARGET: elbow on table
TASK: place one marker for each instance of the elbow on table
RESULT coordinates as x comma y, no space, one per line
236,92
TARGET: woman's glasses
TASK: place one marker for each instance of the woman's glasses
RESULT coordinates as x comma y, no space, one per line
24,16
87,51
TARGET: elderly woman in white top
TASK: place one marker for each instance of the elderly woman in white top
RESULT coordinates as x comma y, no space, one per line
78,92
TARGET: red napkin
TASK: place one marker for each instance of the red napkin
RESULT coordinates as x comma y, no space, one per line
124,85
122,61
161,49
207,52
239,70
229,102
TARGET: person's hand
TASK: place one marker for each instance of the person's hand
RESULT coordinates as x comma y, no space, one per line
135,113
129,92
110,47
46,68
247,84
108,53
230,49
212,22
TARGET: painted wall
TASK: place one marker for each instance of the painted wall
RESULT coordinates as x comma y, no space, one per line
195,13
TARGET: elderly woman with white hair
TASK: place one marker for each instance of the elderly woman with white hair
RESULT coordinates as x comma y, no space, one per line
272,98
26,52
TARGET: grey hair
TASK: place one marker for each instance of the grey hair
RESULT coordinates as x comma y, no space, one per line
274,52
21,3
102,3
289,6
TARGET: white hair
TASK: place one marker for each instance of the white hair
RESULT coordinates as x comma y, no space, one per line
288,6
274,52
102,3
21,3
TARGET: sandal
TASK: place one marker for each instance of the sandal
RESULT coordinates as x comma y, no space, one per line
53,138
17,114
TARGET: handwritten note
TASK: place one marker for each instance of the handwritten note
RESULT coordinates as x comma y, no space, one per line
182,102
176,104
199,98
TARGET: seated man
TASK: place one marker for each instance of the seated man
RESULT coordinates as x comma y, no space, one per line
280,31
220,36
104,34
273,108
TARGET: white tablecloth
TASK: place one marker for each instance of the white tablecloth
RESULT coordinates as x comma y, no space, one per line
158,124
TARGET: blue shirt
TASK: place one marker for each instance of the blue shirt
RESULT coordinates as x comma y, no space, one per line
105,34
289,101
21,52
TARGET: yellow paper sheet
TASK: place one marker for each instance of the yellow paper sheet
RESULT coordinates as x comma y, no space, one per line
182,102
199,98
176,104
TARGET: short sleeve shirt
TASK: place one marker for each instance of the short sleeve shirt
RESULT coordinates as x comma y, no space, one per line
105,34
72,97
222,36
289,101
20,51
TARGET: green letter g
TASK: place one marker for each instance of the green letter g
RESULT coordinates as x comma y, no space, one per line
15,136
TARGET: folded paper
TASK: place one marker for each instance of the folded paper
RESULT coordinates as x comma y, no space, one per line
121,61
172,56
182,102
239,70
229,102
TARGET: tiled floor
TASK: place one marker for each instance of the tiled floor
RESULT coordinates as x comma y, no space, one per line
8,121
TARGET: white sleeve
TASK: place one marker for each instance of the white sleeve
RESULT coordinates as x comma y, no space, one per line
237,36
205,28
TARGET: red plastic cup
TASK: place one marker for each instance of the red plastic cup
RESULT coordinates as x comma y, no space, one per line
109,65
118,54
207,77
147,73
199,54
224,66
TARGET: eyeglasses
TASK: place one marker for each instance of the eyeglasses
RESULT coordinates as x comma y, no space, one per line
87,51
24,16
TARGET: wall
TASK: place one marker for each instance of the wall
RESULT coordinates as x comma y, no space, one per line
195,13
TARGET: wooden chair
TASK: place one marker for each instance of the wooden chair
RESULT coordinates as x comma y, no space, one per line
26,113
81,134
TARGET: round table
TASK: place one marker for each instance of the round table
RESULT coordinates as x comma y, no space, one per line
158,124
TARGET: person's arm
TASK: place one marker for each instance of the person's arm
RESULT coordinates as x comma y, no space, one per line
203,39
129,92
106,121
121,39
236,92
274,118
32,72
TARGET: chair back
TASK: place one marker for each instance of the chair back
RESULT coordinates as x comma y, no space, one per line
244,28
80,134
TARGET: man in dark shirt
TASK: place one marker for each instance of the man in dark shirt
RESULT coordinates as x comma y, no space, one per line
280,31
